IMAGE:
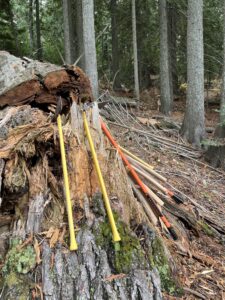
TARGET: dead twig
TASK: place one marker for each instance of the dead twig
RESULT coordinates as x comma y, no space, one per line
190,291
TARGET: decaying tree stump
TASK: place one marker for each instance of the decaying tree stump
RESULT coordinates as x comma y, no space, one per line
215,153
36,262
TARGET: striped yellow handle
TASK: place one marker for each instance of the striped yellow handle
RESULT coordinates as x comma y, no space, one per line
116,236
73,243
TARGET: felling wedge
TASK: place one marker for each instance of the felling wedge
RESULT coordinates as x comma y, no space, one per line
144,189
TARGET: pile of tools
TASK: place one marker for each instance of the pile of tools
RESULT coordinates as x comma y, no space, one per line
138,168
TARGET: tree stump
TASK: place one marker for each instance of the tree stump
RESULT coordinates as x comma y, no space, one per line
36,262
215,153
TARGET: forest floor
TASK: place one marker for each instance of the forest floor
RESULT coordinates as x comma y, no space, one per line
201,267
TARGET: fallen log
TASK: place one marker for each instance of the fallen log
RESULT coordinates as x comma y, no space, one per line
32,82
38,262
123,101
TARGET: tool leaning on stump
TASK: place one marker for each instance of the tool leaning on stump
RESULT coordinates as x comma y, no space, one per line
73,243
115,233
135,167
131,171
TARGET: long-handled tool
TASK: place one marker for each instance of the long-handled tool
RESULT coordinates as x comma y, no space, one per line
152,172
158,185
154,207
144,203
136,158
116,236
143,165
73,243
154,197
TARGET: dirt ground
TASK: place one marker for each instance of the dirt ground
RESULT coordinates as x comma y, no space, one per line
200,262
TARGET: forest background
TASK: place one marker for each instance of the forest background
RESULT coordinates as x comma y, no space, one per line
24,32
140,46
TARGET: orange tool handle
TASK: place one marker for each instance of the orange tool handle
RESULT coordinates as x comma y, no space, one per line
125,160
139,181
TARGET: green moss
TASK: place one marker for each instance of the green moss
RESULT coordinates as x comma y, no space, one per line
124,255
205,227
130,253
17,181
19,260
159,260
12,280
103,235
18,283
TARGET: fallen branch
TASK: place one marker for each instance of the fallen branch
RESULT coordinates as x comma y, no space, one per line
170,143
190,291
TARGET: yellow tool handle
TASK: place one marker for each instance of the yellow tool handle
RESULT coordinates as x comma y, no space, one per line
73,243
145,165
136,158
116,236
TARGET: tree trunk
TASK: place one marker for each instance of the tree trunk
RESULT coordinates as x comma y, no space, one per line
115,49
134,35
216,152
79,33
86,41
38,31
221,128
37,263
166,93
193,128
172,34
31,26
14,28
68,36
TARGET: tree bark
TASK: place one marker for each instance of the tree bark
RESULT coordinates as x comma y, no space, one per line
79,33
68,36
193,128
39,83
172,33
166,93
37,262
38,31
86,41
31,26
221,129
115,49
135,52
216,153
14,28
